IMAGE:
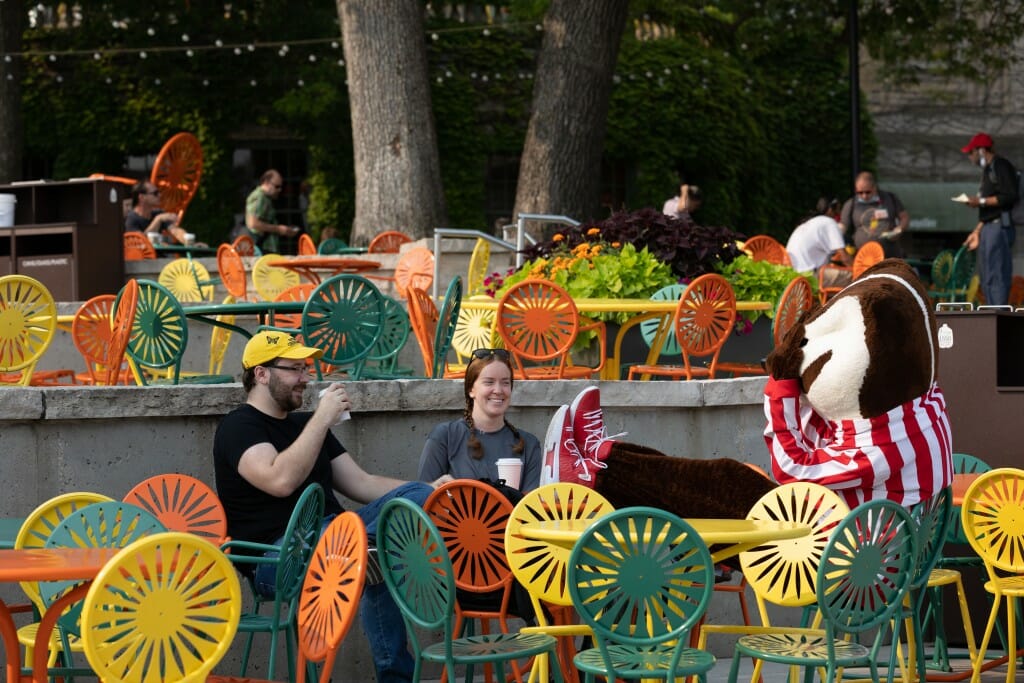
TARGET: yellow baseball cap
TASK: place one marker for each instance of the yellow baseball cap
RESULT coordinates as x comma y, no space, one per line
266,346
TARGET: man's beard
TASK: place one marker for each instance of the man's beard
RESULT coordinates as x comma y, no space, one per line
283,396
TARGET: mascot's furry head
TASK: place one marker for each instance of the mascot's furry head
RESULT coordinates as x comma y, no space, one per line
853,401
870,349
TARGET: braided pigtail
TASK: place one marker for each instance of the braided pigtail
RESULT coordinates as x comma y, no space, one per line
520,444
475,447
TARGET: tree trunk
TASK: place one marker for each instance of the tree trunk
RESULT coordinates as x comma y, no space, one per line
12,15
398,176
560,171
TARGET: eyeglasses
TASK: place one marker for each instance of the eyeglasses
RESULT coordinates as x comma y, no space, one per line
487,354
288,368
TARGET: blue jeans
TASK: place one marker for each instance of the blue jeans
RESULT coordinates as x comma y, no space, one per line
381,618
995,261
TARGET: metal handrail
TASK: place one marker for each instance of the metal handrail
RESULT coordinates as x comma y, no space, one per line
521,238
455,233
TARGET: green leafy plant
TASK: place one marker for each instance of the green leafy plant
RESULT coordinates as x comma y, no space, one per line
597,270
759,281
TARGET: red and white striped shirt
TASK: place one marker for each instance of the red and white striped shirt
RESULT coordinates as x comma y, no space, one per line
904,455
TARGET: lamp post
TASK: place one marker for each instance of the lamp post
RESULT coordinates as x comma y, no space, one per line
852,29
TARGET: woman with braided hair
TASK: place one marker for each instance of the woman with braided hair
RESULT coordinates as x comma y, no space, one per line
470,447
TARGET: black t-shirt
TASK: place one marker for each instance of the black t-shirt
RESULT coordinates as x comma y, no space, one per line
254,515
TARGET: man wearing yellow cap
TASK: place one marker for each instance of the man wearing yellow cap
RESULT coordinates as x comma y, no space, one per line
265,454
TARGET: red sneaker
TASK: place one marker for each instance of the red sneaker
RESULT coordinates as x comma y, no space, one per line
563,461
588,427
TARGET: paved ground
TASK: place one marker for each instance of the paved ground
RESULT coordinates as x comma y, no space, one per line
774,673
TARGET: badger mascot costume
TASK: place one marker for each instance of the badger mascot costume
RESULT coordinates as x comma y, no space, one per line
852,402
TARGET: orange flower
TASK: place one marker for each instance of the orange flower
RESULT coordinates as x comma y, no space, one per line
558,237
616,245
593,231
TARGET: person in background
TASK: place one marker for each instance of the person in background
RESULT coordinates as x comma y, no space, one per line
994,235
470,447
261,217
874,215
816,241
265,454
145,215
685,203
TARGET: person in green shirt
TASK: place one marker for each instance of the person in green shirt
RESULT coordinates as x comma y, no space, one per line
260,216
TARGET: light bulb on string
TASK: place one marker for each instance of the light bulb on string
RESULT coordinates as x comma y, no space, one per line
334,45
151,31
184,37
238,50
143,55
218,43
189,53
53,58
312,58
96,56
250,47
253,82
301,82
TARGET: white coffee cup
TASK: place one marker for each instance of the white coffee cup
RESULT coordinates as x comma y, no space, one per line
511,470
345,415
190,239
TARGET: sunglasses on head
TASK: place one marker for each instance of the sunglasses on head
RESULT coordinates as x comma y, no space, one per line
487,354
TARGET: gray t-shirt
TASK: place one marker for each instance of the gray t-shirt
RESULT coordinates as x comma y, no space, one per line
447,452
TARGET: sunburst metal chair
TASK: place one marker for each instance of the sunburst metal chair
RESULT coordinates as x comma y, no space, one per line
182,503
538,323
863,576
419,575
28,321
702,323
185,580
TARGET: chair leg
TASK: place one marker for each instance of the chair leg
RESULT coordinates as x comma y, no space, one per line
985,638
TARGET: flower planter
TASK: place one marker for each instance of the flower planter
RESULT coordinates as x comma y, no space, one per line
739,348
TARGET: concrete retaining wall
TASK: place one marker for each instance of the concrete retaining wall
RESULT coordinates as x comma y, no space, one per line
106,439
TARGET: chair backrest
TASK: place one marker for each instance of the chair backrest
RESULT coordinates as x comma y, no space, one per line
649,328
479,263
963,463
394,334
471,517
177,170
269,281
41,522
766,248
640,576
993,519
963,269
796,299
299,539
933,518
473,330
423,315
28,321
137,247
332,245
785,572
331,590
181,277
704,318
109,524
245,245
867,255
126,305
447,319
388,242
307,247
299,292
415,268
232,273
417,568
538,322
161,575
159,332
91,332
866,569
182,503
542,567
344,317
220,338
942,269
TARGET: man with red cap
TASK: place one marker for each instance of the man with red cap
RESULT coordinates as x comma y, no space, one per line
993,236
